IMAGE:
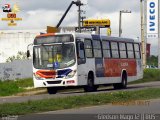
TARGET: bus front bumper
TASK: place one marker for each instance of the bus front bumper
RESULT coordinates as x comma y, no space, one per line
55,82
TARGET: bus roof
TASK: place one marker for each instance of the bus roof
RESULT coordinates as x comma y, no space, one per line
93,36
103,37
117,39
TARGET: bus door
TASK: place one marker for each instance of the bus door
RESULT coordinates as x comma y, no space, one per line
80,53
81,60
99,65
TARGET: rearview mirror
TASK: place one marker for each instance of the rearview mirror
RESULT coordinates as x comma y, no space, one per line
28,54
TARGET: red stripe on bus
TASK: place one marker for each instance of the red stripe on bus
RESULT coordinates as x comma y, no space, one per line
46,73
114,67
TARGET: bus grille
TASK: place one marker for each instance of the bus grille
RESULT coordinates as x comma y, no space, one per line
54,82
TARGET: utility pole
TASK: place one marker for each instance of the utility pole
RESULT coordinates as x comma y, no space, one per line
159,34
145,31
120,27
79,17
142,35
82,19
79,4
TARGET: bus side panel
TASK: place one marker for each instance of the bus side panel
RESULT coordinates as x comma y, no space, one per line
139,69
114,67
99,67
83,70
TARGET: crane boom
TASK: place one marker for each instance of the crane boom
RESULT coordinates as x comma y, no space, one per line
78,3
64,15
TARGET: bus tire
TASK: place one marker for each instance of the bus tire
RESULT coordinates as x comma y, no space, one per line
123,83
90,84
52,90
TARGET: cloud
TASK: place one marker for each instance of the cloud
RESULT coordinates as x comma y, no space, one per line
39,4
40,13
109,6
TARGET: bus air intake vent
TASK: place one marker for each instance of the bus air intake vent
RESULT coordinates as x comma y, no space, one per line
54,82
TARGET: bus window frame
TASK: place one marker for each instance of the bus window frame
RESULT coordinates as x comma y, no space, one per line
87,39
78,48
128,50
122,50
100,48
105,49
114,49
139,50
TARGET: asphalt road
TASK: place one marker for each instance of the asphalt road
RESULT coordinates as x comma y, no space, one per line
12,99
133,110
138,106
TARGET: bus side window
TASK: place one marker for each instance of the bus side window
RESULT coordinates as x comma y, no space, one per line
97,49
80,53
122,49
130,50
115,51
106,49
137,51
88,48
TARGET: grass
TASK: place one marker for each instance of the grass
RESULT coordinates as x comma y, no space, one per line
77,101
150,75
28,82
11,87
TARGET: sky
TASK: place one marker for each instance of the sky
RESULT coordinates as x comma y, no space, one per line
37,14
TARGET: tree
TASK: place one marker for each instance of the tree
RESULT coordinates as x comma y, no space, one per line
20,56
152,60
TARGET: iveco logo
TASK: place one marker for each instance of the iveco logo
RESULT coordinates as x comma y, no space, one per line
152,16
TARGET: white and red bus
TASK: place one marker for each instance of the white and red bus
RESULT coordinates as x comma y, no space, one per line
78,59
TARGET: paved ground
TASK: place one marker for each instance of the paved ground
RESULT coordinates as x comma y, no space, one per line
133,110
138,106
12,99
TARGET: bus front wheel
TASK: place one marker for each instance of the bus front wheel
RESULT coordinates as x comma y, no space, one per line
52,90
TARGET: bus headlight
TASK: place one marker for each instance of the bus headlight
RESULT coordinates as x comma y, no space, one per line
38,77
71,74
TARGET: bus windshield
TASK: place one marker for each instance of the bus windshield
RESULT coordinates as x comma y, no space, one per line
55,56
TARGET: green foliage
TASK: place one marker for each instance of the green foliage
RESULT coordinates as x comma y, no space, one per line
78,101
11,87
149,75
152,75
152,60
27,82
20,56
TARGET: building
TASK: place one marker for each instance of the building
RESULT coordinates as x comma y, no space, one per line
148,49
13,41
